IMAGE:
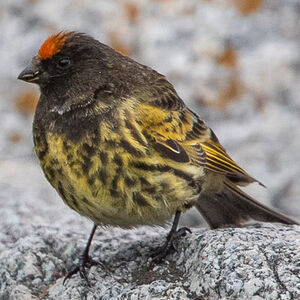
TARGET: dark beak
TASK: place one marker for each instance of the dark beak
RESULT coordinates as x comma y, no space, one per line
31,73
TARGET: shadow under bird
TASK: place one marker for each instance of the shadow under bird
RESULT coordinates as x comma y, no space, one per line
121,148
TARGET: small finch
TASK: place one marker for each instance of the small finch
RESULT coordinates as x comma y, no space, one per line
121,148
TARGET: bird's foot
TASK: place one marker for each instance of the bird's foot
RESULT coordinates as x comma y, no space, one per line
85,262
170,244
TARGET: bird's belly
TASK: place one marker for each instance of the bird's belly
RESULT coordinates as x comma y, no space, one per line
102,186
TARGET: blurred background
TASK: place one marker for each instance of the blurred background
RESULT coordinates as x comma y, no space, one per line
235,62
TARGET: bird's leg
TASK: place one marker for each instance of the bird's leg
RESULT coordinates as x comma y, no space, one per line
174,234
85,260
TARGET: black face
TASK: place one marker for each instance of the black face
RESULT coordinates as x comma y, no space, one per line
84,70
71,63
80,54
57,66
71,76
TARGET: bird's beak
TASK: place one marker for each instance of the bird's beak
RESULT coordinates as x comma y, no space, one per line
31,73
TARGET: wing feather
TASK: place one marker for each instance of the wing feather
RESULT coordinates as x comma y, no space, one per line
179,135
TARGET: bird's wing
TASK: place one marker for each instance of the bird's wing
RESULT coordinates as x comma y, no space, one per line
217,160
179,136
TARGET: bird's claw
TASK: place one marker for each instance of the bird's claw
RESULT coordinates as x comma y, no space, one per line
83,264
181,232
170,244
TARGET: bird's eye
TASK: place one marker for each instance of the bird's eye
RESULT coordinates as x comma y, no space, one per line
64,63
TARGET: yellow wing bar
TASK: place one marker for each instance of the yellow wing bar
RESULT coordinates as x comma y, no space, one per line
218,159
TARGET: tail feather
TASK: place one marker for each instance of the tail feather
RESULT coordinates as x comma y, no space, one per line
232,207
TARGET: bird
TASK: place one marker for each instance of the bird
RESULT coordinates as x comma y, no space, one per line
121,147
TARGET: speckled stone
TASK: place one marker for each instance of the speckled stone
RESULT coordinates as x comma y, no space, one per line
255,262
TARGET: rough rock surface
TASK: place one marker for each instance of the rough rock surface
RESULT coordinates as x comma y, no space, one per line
256,262
235,62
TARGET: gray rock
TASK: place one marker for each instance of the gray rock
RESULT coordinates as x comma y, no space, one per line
183,40
254,262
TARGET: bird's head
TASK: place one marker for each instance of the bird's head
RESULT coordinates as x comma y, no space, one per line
64,55
72,69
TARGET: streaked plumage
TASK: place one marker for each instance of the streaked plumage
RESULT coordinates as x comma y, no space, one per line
121,147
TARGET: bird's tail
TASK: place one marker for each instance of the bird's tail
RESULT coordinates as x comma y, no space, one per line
232,207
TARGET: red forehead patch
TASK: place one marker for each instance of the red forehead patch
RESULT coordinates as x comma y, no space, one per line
53,45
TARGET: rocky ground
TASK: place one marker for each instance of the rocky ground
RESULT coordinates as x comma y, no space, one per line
260,262
236,63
